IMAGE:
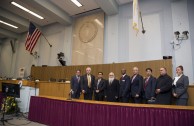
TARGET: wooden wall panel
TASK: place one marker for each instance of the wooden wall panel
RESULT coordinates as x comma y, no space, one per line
54,89
191,95
65,72
63,89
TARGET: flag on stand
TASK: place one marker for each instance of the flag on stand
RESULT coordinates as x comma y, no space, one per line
32,37
135,15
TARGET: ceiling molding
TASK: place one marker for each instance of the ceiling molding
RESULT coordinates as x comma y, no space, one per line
9,34
13,17
62,16
110,7
121,2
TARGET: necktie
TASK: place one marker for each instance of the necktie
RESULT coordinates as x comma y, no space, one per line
78,79
146,83
89,80
133,78
98,83
110,82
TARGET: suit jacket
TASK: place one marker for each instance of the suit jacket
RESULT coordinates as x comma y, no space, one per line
149,87
101,86
181,87
75,84
124,86
112,90
164,83
136,85
84,83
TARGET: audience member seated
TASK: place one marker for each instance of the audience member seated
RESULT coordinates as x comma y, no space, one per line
52,80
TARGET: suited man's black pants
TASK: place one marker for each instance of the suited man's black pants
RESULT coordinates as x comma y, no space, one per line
99,97
136,100
76,95
124,99
88,94
181,101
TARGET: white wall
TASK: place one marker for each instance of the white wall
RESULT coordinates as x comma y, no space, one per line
5,58
161,18
111,39
146,46
190,7
22,58
183,55
127,47
60,38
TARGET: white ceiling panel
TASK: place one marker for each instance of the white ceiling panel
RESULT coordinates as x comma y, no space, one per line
72,9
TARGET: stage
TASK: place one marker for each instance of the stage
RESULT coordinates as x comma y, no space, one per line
55,111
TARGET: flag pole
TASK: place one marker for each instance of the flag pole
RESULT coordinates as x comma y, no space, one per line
47,40
143,30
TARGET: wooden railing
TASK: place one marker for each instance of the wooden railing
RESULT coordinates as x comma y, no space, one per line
65,72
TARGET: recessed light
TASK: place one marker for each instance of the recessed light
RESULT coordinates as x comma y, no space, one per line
77,3
27,10
8,24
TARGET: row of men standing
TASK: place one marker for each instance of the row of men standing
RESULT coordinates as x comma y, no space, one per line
135,89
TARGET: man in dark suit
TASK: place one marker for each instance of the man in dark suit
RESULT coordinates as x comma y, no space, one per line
136,86
124,92
180,85
99,87
163,88
87,84
112,88
149,86
76,85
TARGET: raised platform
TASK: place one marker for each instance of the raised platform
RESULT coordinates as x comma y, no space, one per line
61,89
54,111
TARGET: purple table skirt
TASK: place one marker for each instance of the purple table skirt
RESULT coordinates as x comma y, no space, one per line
67,113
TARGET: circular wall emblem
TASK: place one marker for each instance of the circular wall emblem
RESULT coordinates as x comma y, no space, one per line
88,32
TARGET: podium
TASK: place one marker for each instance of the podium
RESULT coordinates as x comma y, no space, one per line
25,94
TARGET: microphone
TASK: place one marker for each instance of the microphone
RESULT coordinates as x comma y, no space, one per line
70,97
20,83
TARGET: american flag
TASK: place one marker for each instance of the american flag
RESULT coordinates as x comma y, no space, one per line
32,37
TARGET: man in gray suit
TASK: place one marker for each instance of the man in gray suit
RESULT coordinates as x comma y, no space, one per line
180,85
136,86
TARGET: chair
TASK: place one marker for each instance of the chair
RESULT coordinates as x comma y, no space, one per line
52,80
